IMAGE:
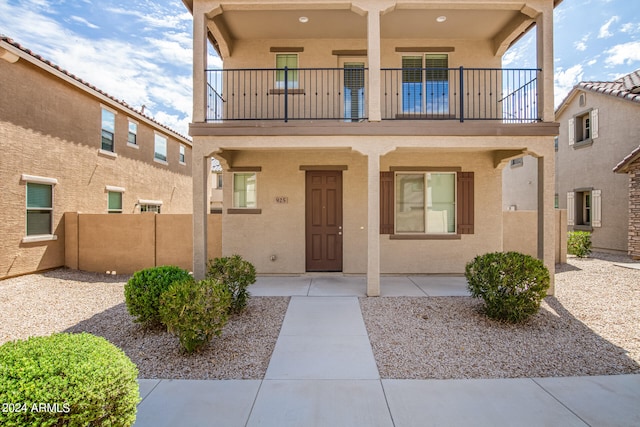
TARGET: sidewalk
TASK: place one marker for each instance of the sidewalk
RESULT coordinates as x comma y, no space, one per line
322,373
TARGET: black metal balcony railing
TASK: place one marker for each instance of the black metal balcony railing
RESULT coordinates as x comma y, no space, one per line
506,95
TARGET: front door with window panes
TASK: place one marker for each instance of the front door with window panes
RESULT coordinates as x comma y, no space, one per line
425,84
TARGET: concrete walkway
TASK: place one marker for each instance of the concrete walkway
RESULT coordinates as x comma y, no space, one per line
322,373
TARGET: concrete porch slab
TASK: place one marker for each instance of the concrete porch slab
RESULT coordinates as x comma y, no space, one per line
196,403
146,386
399,286
442,286
280,286
491,403
320,403
338,286
602,400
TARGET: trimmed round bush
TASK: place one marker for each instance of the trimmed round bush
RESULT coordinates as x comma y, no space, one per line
236,274
142,292
66,379
511,284
195,311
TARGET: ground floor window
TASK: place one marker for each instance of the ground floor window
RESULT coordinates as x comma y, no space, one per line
115,202
584,208
150,208
39,209
245,190
426,202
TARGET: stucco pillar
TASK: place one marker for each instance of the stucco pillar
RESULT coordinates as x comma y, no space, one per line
201,171
373,63
373,225
544,43
199,64
546,215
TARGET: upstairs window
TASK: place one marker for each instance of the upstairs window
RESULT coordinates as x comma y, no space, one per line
583,128
132,137
289,60
425,84
108,130
181,155
160,151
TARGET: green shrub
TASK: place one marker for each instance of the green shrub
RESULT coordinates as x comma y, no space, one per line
579,243
236,274
66,379
142,292
511,284
195,311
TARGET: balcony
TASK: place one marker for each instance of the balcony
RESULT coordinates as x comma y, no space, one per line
339,94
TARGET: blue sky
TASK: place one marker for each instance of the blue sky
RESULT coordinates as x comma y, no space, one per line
139,51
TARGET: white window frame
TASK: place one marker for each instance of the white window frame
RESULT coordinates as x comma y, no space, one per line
34,179
104,108
114,189
427,203
150,205
580,124
182,159
233,191
135,134
157,159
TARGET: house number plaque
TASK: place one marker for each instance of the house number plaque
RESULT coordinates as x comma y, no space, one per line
282,199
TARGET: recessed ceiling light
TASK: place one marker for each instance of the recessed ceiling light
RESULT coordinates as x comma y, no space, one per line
303,19
441,18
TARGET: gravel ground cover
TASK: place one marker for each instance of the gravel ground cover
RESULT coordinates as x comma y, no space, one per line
590,327
73,301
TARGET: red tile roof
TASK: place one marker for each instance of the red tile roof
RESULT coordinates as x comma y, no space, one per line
627,87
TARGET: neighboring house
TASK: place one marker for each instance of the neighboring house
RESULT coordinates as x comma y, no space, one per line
368,137
69,147
631,166
599,126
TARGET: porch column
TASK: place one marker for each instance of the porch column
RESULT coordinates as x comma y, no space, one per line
199,64
373,58
544,48
201,171
546,215
373,225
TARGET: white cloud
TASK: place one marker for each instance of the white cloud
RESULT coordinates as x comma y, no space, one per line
630,28
84,21
625,53
604,30
565,80
582,44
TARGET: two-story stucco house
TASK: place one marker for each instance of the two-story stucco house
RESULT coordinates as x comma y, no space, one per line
599,126
67,146
368,137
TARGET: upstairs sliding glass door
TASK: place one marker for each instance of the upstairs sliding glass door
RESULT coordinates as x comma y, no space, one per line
425,84
354,88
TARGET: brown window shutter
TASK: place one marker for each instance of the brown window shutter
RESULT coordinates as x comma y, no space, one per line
465,203
386,202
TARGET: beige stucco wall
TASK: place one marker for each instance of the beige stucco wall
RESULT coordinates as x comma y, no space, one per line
521,233
592,165
520,185
49,128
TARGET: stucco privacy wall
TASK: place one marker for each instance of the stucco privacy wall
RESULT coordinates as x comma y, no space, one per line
50,128
521,233
128,243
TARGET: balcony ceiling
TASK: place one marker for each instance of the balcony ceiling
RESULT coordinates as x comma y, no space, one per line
342,23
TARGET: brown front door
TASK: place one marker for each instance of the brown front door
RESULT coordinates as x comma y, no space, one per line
324,220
